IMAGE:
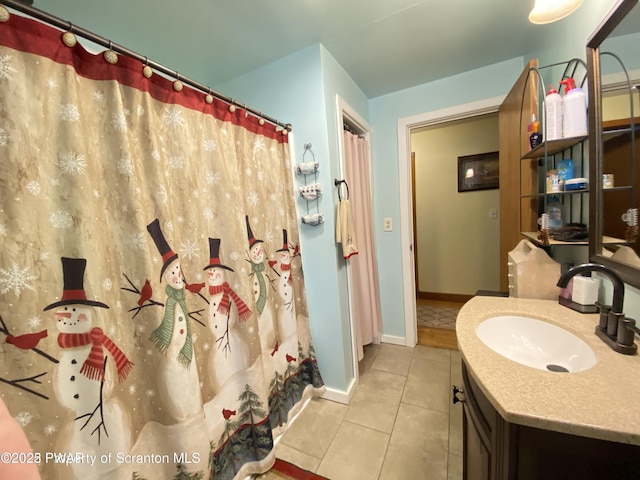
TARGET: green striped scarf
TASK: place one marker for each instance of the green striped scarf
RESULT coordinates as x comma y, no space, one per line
257,269
161,336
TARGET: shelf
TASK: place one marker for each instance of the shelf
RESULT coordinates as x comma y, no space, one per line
565,192
533,236
551,147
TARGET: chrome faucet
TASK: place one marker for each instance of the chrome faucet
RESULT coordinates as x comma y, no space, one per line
614,328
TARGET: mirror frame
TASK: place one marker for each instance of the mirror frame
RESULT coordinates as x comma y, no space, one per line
629,274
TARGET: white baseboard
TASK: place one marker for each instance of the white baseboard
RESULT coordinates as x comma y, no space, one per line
394,340
341,396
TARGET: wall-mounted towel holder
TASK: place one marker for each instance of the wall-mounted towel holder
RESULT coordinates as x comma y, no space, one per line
339,184
310,192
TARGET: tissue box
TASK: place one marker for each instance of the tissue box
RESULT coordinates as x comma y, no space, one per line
585,290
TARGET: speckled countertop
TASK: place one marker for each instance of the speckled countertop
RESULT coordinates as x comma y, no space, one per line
602,402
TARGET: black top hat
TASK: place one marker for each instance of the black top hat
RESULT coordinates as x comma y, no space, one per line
252,239
73,290
285,244
167,254
214,255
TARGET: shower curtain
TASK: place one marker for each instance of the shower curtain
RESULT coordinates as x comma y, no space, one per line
365,301
153,320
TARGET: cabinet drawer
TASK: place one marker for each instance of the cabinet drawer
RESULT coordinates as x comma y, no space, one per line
480,409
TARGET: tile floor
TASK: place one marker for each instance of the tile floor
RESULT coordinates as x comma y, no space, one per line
400,424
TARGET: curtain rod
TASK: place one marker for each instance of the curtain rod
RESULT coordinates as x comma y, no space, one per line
68,26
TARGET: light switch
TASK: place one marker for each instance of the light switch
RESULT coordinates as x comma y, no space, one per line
388,224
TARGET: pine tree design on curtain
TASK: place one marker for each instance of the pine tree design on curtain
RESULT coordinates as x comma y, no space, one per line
182,344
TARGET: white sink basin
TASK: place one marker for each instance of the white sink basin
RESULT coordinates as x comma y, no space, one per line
536,344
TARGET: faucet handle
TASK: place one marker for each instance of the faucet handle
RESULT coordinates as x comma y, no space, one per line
626,329
604,315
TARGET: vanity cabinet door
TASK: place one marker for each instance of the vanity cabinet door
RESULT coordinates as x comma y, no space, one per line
476,456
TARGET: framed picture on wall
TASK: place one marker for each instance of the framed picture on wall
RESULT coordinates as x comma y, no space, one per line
478,172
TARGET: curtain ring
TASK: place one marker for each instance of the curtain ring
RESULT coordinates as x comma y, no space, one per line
177,85
147,71
209,98
232,107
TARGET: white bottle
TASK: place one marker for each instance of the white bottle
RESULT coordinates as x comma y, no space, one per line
553,106
575,110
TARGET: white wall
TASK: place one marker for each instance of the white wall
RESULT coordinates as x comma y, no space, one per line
457,243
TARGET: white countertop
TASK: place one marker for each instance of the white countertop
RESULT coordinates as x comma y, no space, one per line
602,402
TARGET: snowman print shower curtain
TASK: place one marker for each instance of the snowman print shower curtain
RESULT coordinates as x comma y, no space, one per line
153,322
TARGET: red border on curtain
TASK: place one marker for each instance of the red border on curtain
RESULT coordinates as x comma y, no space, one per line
32,36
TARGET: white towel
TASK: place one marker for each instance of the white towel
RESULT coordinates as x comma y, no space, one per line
345,233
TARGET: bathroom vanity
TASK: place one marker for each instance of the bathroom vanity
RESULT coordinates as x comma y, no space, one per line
522,422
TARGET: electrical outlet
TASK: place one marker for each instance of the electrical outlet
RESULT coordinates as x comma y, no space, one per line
493,213
388,224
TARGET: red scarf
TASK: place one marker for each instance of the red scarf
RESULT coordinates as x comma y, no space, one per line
284,267
93,366
243,311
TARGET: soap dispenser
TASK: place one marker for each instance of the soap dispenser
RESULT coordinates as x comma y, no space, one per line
553,107
574,122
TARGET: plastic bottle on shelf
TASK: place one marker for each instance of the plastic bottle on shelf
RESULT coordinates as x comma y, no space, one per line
554,210
553,105
575,110
535,137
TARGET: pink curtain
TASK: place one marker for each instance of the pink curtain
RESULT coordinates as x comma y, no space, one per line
153,322
363,285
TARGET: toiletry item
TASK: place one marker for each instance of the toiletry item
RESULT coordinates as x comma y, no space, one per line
554,210
565,171
585,290
553,181
553,105
532,272
607,180
576,184
535,138
574,120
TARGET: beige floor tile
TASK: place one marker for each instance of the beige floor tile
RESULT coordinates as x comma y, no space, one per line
455,467
356,453
370,354
429,353
298,458
376,401
393,359
428,385
314,430
418,445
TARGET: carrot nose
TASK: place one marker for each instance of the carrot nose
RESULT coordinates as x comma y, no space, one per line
63,314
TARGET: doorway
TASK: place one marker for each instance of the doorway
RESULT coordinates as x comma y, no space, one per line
450,227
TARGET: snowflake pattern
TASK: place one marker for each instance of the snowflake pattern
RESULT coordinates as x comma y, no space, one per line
34,322
253,198
140,110
132,389
176,163
212,178
155,155
119,121
71,163
49,430
24,418
107,284
16,280
173,117
96,193
61,219
98,96
4,137
150,393
33,188
234,256
138,240
125,166
261,175
163,194
6,70
248,172
189,249
259,144
207,213
3,229
210,145
69,112
52,83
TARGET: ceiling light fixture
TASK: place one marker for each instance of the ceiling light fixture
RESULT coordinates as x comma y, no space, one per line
547,11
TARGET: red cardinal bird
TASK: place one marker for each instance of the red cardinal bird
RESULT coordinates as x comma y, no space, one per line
296,250
145,293
26,341
275,349
227,414
290,358
272,263
195,287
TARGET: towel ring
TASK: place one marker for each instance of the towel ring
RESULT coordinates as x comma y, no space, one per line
339,183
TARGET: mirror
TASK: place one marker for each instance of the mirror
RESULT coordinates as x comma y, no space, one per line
613,64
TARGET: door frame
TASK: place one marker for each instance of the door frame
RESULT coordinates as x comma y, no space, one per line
405,125
344,111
